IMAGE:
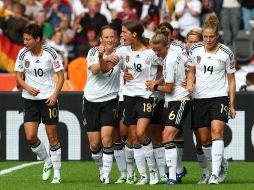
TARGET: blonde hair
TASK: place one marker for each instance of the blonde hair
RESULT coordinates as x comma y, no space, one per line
161,37
212,22
196,32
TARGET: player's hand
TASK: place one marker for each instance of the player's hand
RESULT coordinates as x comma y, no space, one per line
150,85
101,50
33,91
127,76
52,100
232,112
112,58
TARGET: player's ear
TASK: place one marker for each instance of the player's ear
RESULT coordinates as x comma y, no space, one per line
38,39
134,34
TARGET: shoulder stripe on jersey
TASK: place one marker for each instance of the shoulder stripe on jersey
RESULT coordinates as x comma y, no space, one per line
23,53
52,52
227,51
93,51
200,44
177,44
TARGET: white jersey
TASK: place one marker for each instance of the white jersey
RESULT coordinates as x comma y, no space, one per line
180,48
174,72
102,86
39,71
142,66
211,70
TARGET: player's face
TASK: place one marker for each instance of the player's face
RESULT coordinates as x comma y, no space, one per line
127,36
210,38
160,50
108,38
30,42
192,39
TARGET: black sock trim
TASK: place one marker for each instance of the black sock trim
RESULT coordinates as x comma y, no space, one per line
146,142
128,145
108,150
218,139
155,146
169,145
207,145
118,146
137,146
36,144
55,147
95,151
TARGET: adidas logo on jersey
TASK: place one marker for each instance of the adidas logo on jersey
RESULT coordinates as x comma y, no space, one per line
137,56
37,61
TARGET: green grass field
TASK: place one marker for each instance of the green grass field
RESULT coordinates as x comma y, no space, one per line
84,175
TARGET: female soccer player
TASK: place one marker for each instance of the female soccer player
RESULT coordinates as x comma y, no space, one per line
35,68
100,105
212,67
138,105
194,36
177,101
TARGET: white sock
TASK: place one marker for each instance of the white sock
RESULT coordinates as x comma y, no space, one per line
107,160
149,155
119,154
203,163
159,154
129,156
55,154
97,157
180,149
217,155
107,164
140,159
207,151
171,159
39,149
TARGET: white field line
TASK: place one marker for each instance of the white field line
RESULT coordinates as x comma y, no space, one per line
12,169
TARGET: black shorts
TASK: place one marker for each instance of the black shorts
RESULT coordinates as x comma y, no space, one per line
120,110
136,108
174,113
38,110
99,114
208,109
157,112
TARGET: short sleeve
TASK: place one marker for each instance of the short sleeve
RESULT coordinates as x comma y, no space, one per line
20,61
92,57
230,63
56,61
191,60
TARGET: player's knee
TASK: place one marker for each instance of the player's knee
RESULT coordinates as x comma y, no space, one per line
107,141
95,146
31,139
141,135
52,138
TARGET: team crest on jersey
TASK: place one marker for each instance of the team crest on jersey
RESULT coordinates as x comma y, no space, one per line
127,58
198,59
27,63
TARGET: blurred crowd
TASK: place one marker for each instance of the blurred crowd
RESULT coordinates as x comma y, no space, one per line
71,26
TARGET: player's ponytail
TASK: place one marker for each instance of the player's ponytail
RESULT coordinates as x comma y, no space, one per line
212,21
161,37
